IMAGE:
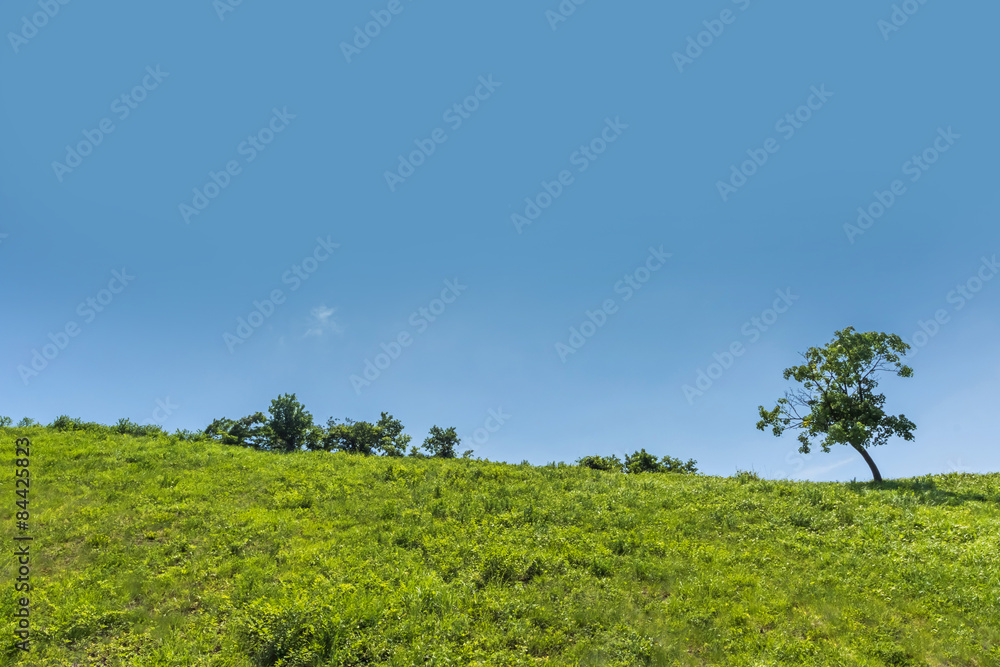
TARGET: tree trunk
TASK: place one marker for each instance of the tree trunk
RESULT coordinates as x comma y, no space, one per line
868,460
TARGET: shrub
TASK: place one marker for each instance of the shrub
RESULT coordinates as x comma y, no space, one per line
5,421
66,423
250,431
607,463
189,436
442,443
638,462
744,476
126,426
670,464
643,461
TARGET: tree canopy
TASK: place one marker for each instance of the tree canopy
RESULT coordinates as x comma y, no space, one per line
837,399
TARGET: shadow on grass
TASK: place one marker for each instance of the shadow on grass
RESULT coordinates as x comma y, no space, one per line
925,490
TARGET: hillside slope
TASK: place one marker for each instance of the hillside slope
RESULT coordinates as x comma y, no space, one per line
148,551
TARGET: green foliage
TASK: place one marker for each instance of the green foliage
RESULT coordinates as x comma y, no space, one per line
219,430
392,440
160,552
185,435
5,422
746,476
291,427
27,422
352,437
386,437
670,464
67,423
638,462
642,461
442,443
250,431
837,400
124,426
607,463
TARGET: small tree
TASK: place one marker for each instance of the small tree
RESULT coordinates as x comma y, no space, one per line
392,441
351,437
6,421
442,443
837,399
27,422
291,426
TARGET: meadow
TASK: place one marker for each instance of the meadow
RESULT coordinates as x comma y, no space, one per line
155,551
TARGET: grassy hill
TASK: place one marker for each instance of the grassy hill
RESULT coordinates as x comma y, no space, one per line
150,551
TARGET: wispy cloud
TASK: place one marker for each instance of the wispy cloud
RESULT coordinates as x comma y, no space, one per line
321,321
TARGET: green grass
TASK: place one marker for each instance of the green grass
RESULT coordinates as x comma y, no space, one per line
149,551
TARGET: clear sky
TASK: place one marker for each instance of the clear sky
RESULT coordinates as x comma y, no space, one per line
204,205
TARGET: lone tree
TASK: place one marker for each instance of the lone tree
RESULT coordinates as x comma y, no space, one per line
442,442
837,398
291,427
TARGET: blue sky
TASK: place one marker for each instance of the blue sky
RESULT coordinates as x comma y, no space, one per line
473,183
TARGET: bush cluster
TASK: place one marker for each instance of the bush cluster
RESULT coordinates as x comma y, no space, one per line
124,426
638,462
290,428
